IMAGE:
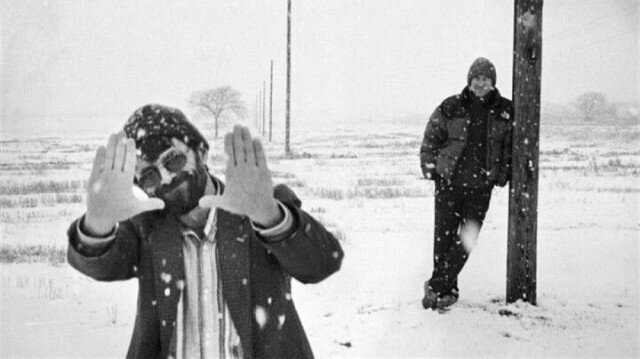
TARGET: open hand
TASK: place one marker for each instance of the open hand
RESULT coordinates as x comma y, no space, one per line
249,189
110,197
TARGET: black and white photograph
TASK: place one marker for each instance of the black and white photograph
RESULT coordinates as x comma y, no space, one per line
320,179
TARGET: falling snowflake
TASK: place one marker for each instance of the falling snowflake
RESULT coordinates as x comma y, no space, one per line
261,316
141,133
166,277
180,284
96,186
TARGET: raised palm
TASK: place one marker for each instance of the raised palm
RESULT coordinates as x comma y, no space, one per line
110,192
249,189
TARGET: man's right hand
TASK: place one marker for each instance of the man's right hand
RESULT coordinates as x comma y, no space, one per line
110,197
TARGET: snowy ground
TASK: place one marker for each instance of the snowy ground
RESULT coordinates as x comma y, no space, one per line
365,185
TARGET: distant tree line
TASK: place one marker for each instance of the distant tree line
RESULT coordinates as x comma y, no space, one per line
592,108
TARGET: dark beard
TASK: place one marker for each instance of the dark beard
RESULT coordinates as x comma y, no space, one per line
182,202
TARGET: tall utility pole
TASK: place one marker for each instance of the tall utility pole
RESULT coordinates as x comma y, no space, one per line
271,103
258,111
523,193
264,93
287,146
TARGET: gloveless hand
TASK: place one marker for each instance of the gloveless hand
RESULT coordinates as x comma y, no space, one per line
110,197
249,189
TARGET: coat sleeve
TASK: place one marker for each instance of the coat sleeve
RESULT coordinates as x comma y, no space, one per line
116,261
435,135
307,251
507,148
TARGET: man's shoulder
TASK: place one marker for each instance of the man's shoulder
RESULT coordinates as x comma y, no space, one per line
453,100
451,105
143,223
503,102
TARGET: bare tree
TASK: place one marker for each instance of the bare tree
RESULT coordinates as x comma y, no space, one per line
220,103
591,104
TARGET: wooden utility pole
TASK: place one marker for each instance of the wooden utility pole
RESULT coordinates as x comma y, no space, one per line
271,103
287,146
257,112
264,93
523,193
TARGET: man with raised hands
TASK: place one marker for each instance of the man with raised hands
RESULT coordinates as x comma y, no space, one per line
213,262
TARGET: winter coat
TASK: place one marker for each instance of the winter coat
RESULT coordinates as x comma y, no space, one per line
446,137
253,272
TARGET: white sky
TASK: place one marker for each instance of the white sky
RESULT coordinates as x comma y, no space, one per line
351,59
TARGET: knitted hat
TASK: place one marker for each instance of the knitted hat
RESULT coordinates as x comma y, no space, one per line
482,66
153,126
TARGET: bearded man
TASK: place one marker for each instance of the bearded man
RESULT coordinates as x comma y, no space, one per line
213,262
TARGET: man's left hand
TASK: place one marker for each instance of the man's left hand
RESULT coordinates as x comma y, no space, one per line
249,189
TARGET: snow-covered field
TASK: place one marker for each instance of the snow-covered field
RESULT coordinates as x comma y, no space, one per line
364,183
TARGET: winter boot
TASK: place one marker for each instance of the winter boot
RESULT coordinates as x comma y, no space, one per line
446,300
430,297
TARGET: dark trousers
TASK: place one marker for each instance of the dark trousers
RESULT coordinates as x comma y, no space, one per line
452,205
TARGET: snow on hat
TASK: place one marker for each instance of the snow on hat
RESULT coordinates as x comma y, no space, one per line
482,66
153,126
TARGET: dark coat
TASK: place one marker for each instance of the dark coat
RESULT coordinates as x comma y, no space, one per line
253,271
446,137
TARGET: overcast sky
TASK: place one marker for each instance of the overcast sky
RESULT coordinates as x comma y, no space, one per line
351,59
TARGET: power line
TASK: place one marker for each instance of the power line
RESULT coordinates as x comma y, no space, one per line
598,41
593,24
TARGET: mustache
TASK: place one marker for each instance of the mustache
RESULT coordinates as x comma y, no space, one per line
175,183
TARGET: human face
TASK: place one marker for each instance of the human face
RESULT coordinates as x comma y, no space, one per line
178,177
481,85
